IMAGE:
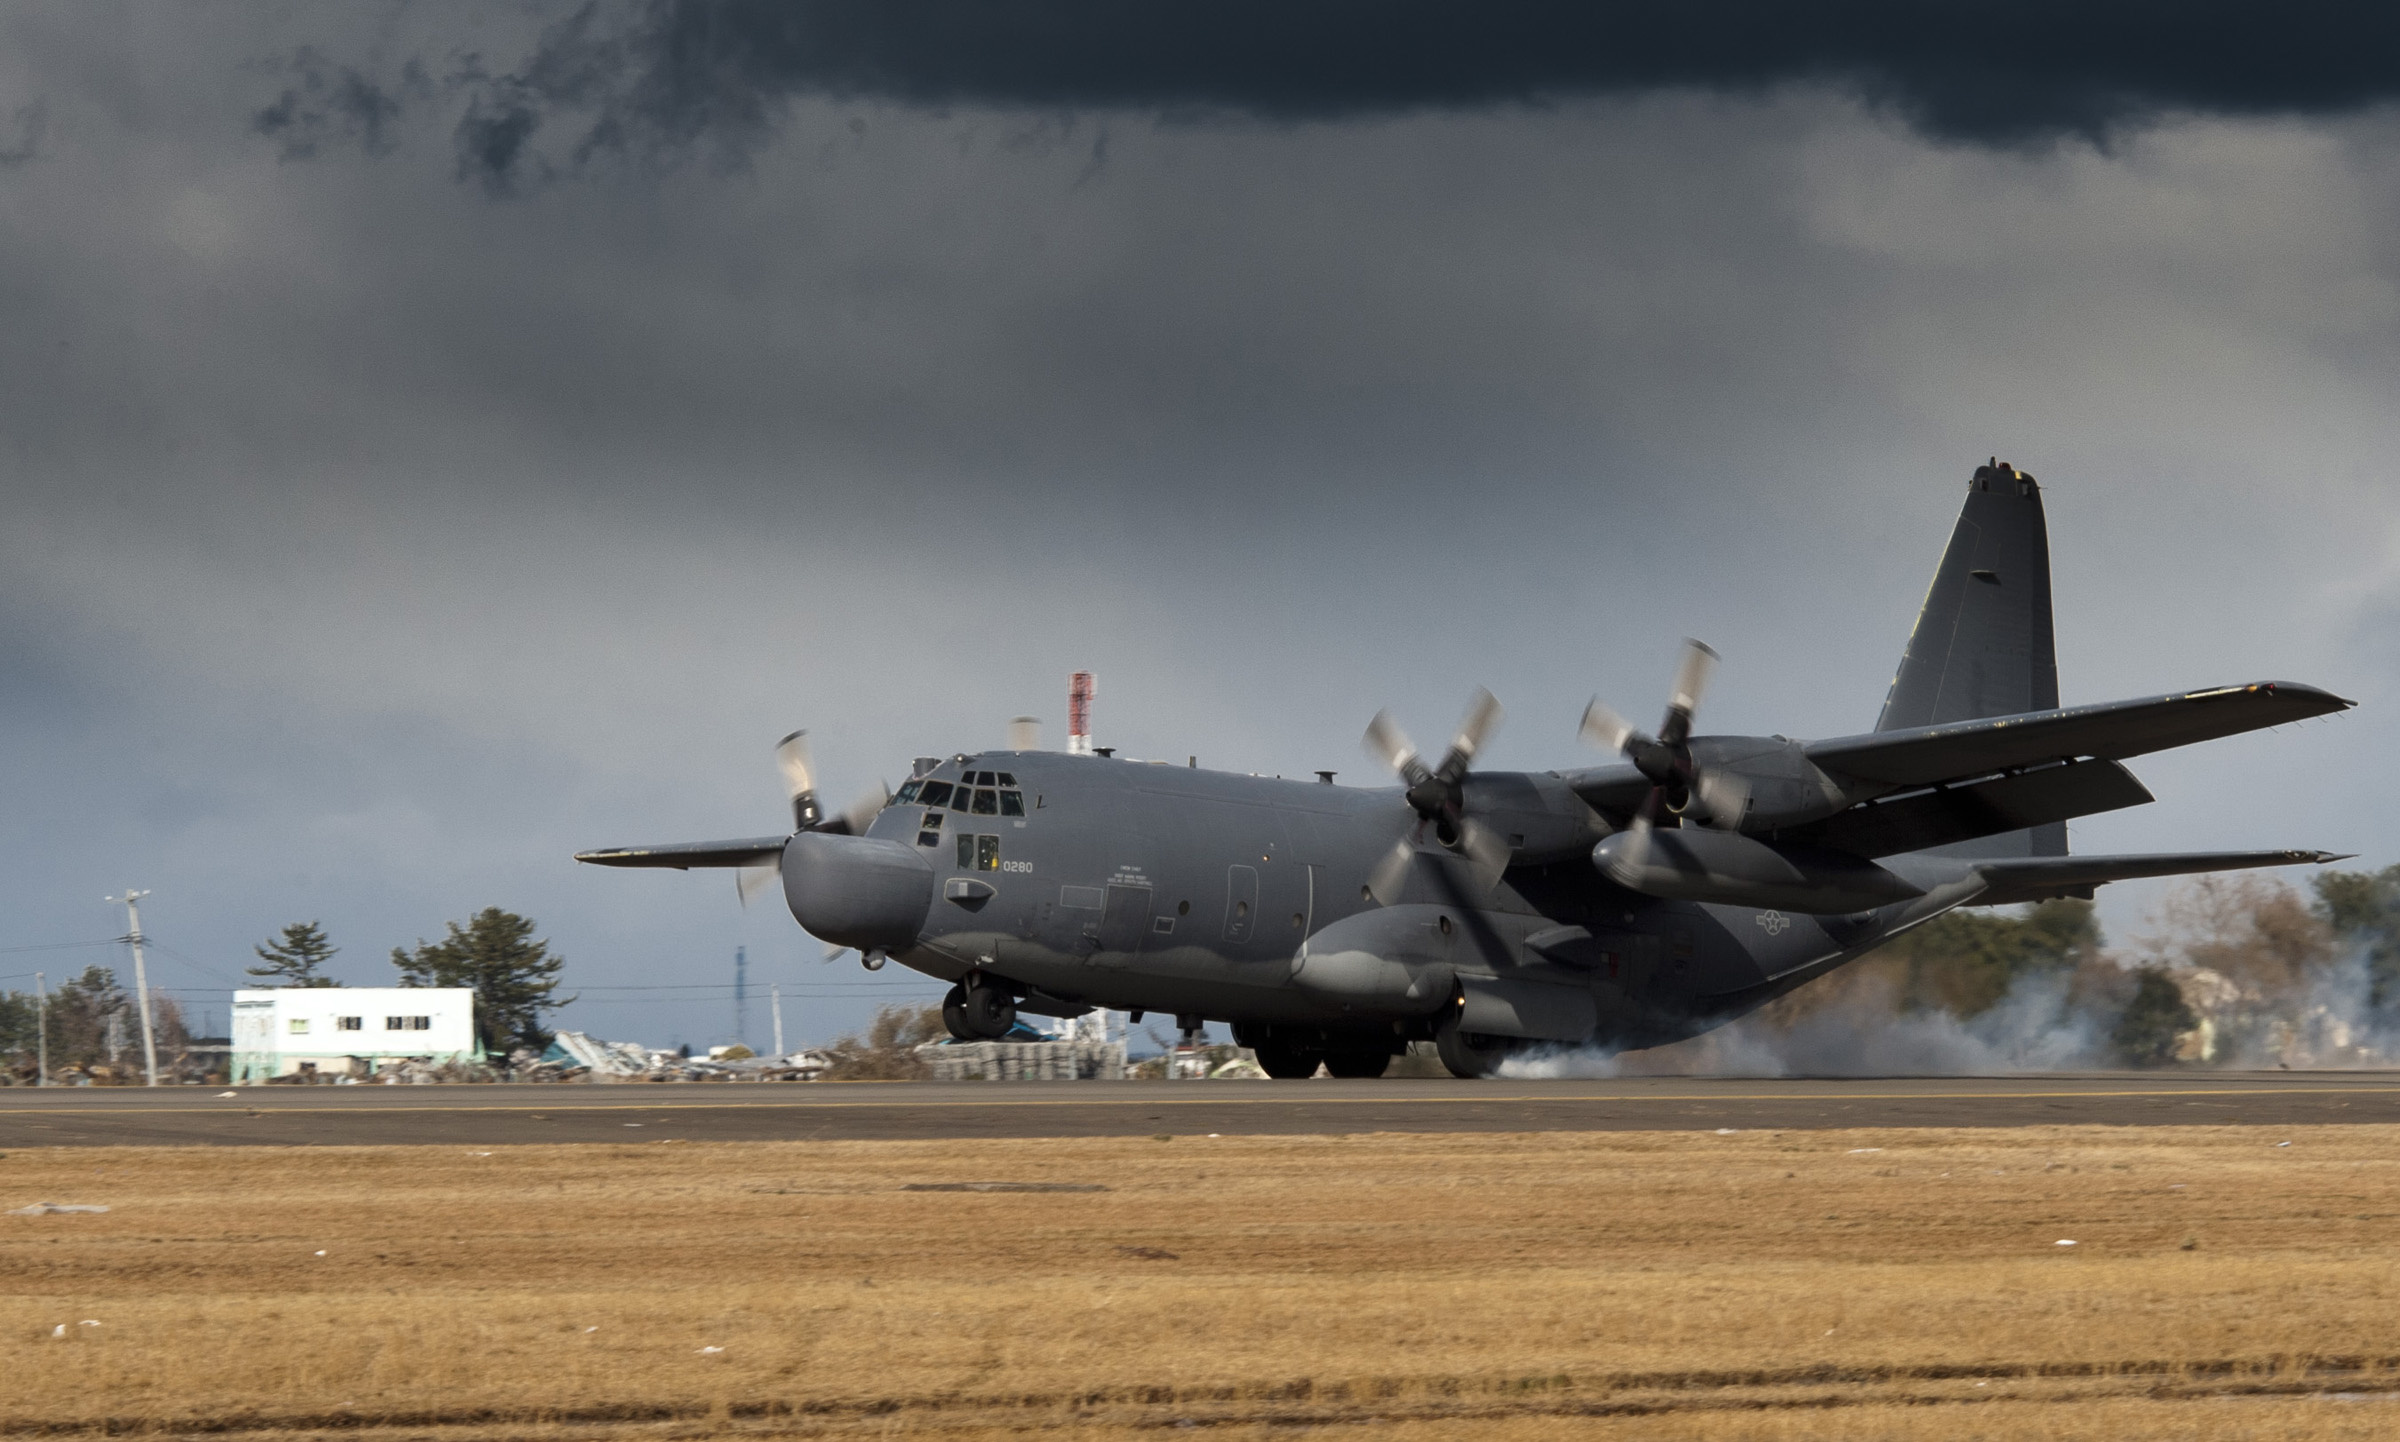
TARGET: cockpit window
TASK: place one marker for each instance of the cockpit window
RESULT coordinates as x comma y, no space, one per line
962,798
987,803
936,793
908,793
1012,803
1007,780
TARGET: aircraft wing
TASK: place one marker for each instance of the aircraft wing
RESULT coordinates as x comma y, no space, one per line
2042,878
2112,731
683,856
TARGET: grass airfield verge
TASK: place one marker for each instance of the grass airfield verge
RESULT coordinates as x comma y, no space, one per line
1798,1284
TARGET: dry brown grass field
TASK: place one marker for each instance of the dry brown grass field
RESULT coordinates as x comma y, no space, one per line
1794,1285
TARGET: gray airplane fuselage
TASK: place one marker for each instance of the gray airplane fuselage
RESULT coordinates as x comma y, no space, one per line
1144,887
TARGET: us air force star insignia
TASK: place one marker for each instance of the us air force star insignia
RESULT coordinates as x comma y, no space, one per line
1773,922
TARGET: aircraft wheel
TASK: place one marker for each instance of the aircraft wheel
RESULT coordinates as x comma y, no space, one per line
954,1014
1470,1054
1285,1062
1357,1064
988,1011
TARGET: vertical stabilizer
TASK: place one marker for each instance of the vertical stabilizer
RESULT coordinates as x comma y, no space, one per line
1983,645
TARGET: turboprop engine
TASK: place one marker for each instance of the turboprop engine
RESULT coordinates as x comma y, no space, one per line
1694,863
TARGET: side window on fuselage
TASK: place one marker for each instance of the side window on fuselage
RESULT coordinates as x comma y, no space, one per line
987,853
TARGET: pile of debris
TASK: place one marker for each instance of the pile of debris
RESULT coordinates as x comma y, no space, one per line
1074,1060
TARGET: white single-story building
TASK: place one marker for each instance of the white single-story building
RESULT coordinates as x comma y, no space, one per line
348,1029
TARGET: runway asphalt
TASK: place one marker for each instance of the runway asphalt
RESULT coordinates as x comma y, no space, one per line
504,1115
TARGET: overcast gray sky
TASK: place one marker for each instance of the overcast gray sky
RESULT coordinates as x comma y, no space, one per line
436,439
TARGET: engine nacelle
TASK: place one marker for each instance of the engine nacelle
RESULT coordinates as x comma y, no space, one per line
1694,863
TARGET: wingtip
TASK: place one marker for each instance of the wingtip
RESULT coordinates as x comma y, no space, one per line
2327,858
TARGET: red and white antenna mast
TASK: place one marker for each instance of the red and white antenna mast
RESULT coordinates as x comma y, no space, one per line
1080,689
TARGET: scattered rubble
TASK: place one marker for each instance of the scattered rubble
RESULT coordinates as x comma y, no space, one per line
955,1061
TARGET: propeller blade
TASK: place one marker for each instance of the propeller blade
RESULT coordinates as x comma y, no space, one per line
1626,867
833,953
749,881
1487,852
1025,733
1390,876
1483,714
1691,683
799,778
1387,743
1606,729
860,814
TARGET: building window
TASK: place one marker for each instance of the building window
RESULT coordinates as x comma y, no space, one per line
299,1026
408,1023
349,1023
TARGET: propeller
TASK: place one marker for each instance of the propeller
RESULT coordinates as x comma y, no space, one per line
798,765
1437,794
1666,759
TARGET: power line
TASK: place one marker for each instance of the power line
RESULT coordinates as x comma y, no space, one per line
60,946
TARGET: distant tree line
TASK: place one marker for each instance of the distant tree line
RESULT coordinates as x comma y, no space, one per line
2272,960
494,953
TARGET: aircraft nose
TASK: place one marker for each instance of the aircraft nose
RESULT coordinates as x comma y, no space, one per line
857,891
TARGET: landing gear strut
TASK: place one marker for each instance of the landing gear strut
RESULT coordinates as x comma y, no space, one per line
982,1012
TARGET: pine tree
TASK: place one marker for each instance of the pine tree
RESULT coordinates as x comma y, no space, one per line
2146,1033
293,958
514,976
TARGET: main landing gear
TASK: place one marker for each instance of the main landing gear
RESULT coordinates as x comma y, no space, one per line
1297,1057
978,1012
1471,1054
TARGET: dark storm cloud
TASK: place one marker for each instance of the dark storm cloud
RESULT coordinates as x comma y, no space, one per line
669,76
323,102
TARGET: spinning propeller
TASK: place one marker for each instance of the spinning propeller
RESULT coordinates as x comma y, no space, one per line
1676,781
1438,795
799,770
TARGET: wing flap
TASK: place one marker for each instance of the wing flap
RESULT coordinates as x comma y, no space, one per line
1921,820
683,856
2112,731
2044,878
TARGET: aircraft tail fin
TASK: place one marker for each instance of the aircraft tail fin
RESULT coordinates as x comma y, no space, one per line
1983,644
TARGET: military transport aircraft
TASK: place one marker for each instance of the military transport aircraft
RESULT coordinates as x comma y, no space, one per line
1688,881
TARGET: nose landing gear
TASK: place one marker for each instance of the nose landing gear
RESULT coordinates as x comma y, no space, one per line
978,1012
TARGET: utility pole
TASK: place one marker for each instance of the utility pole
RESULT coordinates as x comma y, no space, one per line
775,1001
141,978
741,995
41,1027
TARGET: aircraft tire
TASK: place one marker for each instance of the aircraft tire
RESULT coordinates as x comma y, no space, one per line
1285,1062
1471,1055
954,1014
988,1011
1357,1065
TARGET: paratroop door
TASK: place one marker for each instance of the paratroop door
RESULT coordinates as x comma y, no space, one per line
1125,919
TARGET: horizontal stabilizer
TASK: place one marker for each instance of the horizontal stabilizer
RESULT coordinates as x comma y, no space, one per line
756,851
2111,731
2044,878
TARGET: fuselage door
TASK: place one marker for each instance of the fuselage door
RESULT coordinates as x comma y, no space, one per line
1241,902
1125,919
